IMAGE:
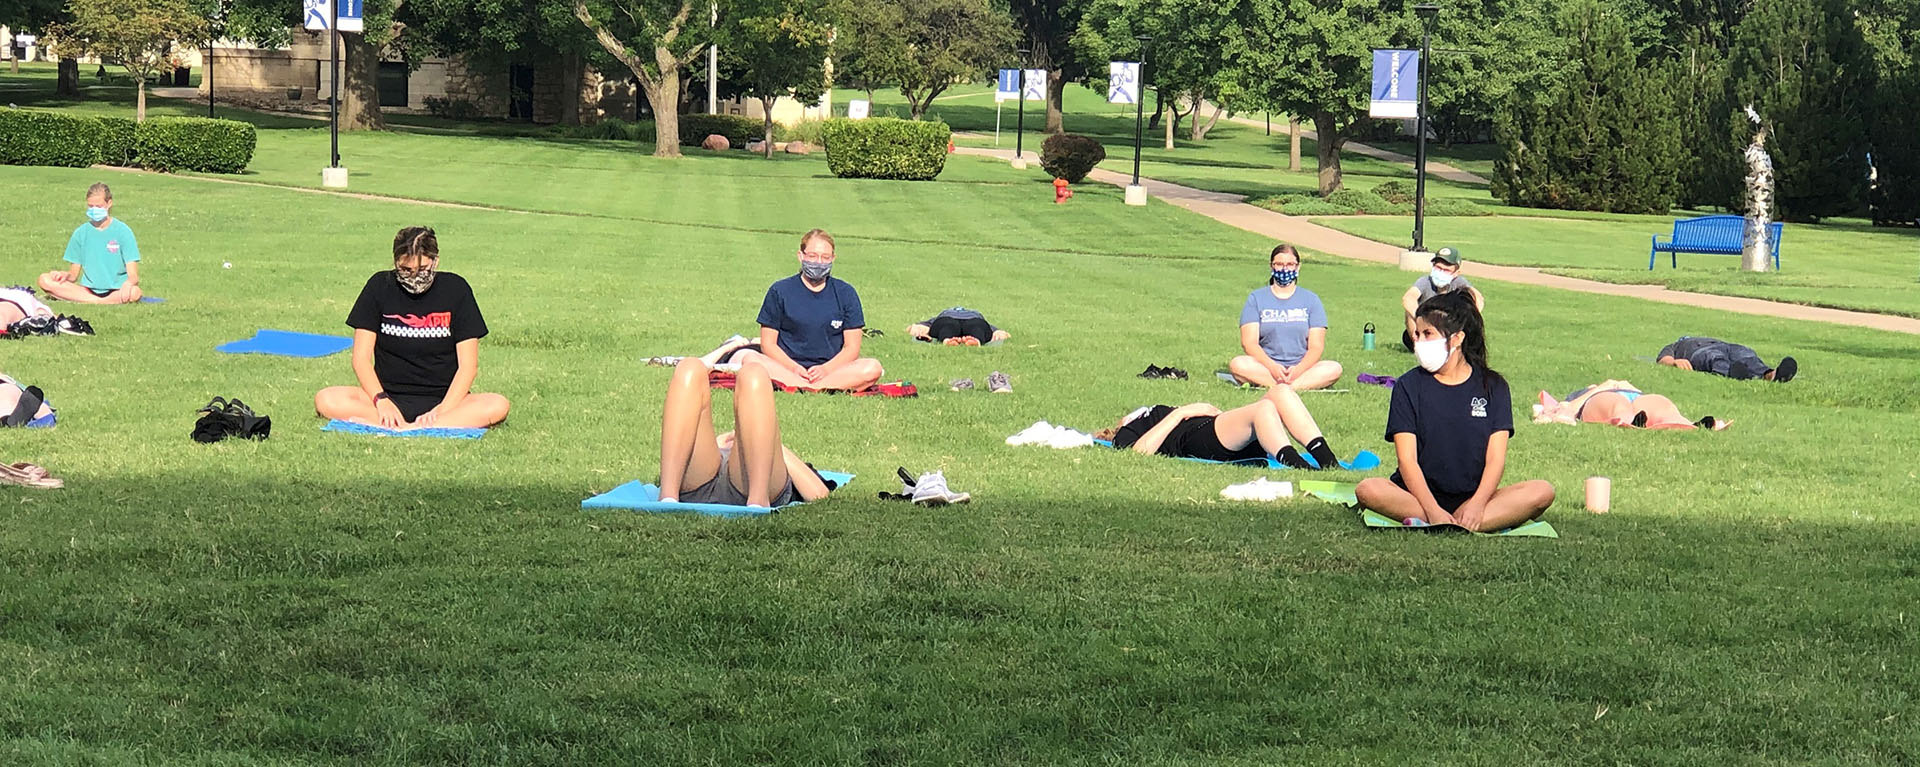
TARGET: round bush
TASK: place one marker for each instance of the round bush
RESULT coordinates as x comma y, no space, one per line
739,131
1366,202
1071,156
884,147
169,144
116,141
31,137
1396,192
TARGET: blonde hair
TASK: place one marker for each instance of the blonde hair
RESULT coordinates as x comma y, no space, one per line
817,234
103,189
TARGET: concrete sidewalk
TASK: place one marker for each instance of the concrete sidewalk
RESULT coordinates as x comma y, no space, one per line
1232,210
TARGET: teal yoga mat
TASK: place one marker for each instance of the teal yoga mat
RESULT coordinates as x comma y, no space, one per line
641,496
349,427
1364,460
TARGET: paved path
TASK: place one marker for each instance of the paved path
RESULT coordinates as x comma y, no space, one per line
1439,169
1232,209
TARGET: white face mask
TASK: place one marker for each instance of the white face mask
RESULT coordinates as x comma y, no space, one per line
1431,353
1441,278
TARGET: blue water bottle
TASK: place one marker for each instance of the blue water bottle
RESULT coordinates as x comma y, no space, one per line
1366,337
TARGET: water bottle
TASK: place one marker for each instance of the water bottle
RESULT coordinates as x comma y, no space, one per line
1366,337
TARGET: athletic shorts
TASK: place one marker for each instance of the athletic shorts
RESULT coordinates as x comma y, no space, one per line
720,489
1449,502
943,328
415,405
98,293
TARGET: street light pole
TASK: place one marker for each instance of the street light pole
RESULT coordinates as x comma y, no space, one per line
1427,12
1020,121
1140,105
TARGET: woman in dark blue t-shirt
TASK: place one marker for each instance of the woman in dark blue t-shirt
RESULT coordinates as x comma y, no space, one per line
1449,422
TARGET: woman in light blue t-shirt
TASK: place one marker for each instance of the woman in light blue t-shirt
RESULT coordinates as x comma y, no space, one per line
1283,330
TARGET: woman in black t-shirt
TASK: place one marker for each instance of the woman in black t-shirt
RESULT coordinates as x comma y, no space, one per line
745,467
1449,422
1260,430
416,347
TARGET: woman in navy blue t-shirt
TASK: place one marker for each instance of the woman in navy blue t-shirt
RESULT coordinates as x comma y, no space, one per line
1449,423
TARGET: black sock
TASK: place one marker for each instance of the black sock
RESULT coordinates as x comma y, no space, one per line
1320,452
1291,459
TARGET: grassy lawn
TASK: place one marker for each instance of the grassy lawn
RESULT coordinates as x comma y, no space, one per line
1845,264
326,599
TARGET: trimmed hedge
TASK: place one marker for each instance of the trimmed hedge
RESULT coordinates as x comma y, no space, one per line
169,144
31,137
1070,156
738,130
1367,202
116,141
1396,192
884,147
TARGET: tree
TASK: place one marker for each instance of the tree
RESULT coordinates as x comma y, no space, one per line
870,44
42,15
1316,58
1808,70
1892,27
1048,27
139,35
947,41
1197,49
655,39
497,33
270,24
782,47
1596,132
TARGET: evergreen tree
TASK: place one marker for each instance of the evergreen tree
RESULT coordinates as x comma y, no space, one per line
1600,133
1806,67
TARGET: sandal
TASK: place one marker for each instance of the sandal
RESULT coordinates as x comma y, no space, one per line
29,475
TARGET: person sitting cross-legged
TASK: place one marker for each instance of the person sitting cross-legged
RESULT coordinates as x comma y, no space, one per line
103,258
810,327
1283,330
416,347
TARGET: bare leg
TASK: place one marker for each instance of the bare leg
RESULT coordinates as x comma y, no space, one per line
10,314
475,411
1240,426
1293,413
759,464
779,374
713,357
1320,376
346,403
1515,503
1661,412
854,376
1383,496
689,453
1249,370
1607,407
68,291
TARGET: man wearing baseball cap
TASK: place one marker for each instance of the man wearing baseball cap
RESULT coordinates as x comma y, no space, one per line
1445,278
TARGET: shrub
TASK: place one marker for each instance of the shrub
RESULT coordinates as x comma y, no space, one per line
610,129
738,130
1070,156
886,148
453,108
1396,192
1455,206
1302,205
1361,201
169,144
29,137
807,131
116,141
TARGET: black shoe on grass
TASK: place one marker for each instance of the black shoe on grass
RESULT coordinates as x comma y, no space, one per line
1787,370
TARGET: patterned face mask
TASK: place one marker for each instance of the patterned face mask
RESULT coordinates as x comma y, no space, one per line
415,281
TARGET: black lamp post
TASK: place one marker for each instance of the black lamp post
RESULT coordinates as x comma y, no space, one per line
1020,120
216,26
1140,104
1427,12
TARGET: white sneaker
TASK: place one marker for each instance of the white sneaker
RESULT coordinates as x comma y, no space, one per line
1258,490
1039,433
931,490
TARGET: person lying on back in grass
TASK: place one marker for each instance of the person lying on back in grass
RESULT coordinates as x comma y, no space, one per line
1621,404
1283,330
1712,355
810,326
958,326
1259,430
103,258
1445,278
1449,421
745,467
416,347
17,304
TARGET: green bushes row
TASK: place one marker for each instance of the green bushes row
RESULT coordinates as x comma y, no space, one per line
886,148
1393,198
166,144
739,130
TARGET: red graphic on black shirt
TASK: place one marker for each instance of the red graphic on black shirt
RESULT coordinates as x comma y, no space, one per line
432,320
433,325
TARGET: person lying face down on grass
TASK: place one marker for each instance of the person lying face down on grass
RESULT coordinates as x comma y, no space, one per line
1259,430
810,326
744,467
1283,331
416,347
1449,421
1721,358
1621,404
958,326
103,258
1444,278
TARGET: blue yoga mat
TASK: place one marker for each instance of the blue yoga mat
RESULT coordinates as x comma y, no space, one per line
349,427
1364,460
152,300
286,343
640,496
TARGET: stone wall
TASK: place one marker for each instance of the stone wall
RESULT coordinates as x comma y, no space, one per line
484,87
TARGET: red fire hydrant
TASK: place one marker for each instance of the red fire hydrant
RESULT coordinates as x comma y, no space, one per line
1060,191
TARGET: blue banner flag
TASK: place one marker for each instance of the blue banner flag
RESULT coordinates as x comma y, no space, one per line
1396,84
1008,88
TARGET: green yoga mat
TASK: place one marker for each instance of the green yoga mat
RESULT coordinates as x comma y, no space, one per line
1342,494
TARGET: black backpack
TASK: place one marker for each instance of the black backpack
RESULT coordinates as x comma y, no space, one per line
223,418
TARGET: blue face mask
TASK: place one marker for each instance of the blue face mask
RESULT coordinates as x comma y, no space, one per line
96,215
1285,277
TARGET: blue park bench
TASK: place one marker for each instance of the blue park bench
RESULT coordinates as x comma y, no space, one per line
1713,235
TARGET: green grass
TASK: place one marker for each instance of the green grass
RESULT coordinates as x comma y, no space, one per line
326,599
1841,264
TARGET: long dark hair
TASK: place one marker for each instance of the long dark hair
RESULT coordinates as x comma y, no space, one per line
1454,312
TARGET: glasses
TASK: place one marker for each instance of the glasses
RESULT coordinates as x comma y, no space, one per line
827,256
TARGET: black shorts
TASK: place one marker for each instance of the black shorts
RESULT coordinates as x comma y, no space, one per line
98,293
1448,501
413,406
943,328
1196,438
